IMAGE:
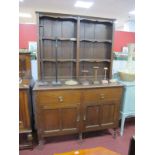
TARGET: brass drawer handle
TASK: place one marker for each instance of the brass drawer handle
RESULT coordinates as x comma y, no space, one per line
61,98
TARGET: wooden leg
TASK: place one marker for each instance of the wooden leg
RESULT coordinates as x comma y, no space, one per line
80,138
114,136
41,144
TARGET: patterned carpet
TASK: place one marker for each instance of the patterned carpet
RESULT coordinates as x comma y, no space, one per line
90,140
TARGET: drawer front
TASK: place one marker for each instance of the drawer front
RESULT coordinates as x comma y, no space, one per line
102,94
58,97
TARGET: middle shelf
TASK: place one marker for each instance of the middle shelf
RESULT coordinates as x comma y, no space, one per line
74,60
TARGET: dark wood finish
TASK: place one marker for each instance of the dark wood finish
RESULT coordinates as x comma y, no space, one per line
76,109
25,65
59,114
101,108
83,42
79,38
25,112
24,119
77,48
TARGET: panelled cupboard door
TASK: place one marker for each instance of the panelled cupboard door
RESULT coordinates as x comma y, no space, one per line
24,117
91,116
100,115
60,119
109,113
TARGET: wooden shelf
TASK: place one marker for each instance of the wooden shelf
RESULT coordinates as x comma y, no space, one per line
95,60
96,41
59,60
25,131
60,39
59,17
96,21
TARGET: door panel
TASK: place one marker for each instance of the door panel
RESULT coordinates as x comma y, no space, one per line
60,119
51,120
109,112
70,118
91,116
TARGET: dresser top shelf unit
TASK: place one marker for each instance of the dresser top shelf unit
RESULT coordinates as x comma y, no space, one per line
82,43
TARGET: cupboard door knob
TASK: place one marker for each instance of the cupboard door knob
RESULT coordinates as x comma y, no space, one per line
61,99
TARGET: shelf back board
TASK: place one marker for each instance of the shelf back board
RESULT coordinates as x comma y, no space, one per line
82,42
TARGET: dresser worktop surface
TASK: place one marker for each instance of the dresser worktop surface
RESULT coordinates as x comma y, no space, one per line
48,86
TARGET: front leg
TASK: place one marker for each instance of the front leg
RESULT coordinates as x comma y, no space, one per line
114,135
80,138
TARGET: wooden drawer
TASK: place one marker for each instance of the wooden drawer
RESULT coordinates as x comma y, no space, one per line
57,97
94,95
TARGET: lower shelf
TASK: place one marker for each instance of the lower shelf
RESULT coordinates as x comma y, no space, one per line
25,139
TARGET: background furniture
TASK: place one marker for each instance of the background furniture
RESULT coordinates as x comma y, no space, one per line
93,151
25,113
128,104
25,101
25,65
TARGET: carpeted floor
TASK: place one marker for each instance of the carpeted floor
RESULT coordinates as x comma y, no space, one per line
93,139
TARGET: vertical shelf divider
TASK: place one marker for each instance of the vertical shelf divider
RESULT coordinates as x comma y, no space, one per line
111,57
38,45
78,48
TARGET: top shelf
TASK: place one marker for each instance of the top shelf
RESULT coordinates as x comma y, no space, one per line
64,18
59,17
74,39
